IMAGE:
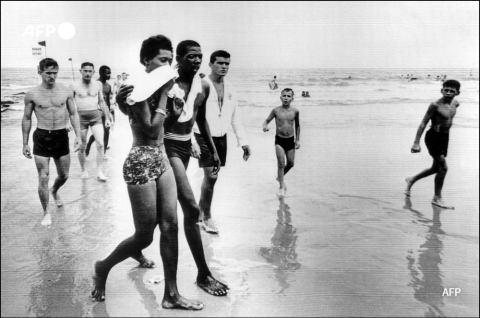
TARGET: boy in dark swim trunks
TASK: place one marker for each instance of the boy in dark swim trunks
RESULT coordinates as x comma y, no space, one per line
285,140
441,112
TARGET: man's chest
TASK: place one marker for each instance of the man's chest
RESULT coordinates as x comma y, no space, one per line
86,91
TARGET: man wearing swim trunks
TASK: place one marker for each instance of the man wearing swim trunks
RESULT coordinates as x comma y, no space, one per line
285,141
50,101
104,72
221,112
88,96
441,113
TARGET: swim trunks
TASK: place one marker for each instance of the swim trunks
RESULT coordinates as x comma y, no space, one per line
50,143
206,158
180,149
145,164
437,143
90,118
286,143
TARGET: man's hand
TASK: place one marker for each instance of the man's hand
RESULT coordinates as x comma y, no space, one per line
26,151
69,127
196,151
123,93
297,144
416,148
265,128
216,163
246,152
77,143
108,124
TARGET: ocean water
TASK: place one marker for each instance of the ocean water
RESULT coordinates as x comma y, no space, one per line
339,97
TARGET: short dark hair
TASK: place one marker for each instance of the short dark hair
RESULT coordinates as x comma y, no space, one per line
152,45
46,63
288,90
182,47
87,64
219,53
103,69
453,84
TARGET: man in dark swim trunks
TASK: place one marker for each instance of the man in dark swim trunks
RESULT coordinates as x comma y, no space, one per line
50,101
441,113
285,140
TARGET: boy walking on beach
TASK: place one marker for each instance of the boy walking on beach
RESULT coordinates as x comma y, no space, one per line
50,101
286,139
441,112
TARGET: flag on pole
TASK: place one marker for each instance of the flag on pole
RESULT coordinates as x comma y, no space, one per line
42,43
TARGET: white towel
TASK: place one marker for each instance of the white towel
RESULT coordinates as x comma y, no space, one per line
188,105
148,83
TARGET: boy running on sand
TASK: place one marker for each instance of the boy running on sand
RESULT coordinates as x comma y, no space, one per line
441,112
285,141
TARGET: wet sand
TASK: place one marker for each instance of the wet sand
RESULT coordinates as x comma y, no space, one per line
343,242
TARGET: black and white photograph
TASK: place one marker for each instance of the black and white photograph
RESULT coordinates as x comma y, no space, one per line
240,159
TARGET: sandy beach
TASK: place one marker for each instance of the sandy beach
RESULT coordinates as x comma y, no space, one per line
344,241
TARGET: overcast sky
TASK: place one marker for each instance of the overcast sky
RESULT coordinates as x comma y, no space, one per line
257,34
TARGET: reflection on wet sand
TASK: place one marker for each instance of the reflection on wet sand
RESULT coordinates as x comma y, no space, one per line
426,275
282,252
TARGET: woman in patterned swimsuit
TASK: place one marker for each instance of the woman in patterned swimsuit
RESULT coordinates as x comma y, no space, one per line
151,185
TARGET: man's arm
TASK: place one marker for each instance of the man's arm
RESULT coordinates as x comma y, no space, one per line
240,131
74,120
27,124
205,130
103,106
122,94
428,115
269,118
297,129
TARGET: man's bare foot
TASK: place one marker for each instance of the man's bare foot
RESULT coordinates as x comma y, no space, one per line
213,286
85,175
57,198
99,281
209,226
47,219
101,177
182,303
409,186
144,262
439,202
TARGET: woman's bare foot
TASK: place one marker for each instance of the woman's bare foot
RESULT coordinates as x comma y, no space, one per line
182,303
144,262
99,281
47,219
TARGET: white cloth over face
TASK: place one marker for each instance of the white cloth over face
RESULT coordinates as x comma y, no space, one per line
148,83
189,104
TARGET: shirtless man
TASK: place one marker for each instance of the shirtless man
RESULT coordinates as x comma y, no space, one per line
104,72
49,101
222,112
441,113
89,98
285,141
179,149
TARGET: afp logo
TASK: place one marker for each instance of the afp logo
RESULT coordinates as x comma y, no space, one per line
66,30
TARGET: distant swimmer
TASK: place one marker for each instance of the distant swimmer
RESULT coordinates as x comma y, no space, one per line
441,113
287,137
273,84
307,94
91,105
303,93
49,101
